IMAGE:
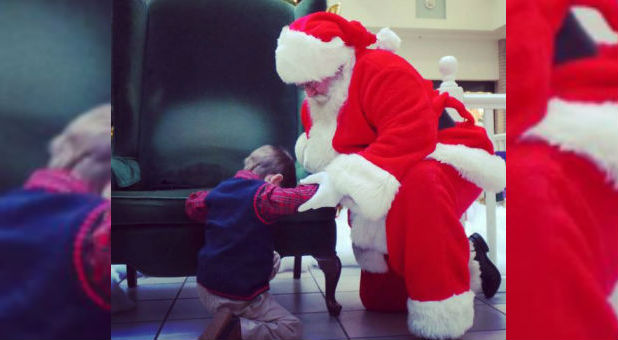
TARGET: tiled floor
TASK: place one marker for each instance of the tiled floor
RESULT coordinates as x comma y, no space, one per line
168,308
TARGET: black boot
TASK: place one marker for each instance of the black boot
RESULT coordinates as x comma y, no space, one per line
490,276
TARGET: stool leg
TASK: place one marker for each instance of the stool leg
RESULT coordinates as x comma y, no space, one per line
331,266
297,266
131,276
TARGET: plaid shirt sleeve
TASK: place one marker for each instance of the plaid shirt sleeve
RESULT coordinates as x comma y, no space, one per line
273,202
195,206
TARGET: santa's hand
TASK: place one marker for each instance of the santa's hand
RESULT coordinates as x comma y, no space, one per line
325,196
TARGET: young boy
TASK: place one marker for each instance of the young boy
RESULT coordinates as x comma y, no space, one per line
55,240
238,259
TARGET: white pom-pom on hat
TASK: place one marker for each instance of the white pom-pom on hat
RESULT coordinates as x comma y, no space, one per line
387,40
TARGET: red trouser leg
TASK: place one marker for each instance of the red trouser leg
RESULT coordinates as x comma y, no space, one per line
386,292
563,246
428,252
427,243
383,292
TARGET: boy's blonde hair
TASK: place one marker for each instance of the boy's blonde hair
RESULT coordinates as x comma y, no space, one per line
84,147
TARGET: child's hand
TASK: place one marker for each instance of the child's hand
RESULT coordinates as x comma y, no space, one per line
326,196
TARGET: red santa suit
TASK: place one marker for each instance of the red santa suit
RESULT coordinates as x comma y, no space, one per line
563,176
406,183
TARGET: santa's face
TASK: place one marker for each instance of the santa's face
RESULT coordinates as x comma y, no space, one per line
319,90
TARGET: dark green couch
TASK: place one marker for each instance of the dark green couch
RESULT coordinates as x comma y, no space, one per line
194,91
55,62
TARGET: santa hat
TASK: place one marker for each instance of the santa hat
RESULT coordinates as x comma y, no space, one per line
542,49
563,86
315,46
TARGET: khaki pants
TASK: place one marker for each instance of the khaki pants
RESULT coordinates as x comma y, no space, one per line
260,318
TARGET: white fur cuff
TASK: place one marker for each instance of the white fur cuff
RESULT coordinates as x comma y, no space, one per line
370,260
446,319
372,188
485,170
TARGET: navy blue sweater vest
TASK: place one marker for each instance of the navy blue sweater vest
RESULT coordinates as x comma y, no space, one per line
237,257
41,296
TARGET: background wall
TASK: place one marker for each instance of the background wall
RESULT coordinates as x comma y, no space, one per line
595,25
481,15
477,54
470,32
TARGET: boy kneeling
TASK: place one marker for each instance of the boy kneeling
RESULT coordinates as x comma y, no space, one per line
238,259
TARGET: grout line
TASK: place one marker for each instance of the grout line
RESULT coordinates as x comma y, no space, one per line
501,312
171,298
310,271
169,311
326,312
378,337
295,293
193,318
489,303
345,332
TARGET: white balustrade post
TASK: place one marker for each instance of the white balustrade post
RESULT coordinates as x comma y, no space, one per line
448,69
492,234
488,123
490,197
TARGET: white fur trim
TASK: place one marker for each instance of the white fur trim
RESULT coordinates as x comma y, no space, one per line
372,188
446,319
587,129
613,299
301,58
387,40
370,260
474,267
318,152
366,233
476,165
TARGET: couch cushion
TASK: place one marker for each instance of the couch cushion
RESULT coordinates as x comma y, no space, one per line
150,207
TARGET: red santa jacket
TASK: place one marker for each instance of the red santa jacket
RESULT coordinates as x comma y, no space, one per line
387,121
563,174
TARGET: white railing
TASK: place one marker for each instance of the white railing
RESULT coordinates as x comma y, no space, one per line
489,103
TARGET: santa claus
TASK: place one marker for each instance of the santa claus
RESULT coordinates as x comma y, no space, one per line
372,131
563,173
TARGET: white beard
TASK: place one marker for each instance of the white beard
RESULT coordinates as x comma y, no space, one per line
318,151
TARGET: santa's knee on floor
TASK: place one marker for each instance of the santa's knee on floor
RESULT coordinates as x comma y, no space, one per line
383,292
